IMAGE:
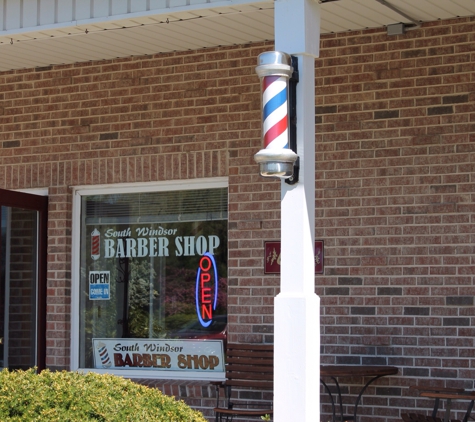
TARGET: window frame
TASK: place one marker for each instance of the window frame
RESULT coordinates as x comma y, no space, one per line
80,191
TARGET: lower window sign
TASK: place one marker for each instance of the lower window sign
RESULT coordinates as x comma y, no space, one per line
167,355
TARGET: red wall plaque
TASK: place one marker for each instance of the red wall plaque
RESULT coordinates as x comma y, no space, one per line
272,257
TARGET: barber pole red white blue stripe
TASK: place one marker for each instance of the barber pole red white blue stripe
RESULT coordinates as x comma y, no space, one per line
275,112
276,159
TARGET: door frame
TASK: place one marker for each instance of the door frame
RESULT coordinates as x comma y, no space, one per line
38,203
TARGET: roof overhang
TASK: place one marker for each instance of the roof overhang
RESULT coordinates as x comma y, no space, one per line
34,38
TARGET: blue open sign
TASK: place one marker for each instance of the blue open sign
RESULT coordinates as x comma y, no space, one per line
99,285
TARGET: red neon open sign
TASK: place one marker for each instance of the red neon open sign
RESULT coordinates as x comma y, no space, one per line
206,296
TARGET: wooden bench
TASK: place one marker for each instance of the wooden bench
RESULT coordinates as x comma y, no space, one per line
440,393
249,371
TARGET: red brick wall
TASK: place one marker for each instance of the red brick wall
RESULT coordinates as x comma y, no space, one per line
394,181
395,175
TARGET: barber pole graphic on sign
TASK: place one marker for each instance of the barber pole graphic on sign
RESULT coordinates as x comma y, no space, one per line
104,355
95,244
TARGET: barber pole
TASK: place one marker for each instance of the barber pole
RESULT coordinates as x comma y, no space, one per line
275,112
276,159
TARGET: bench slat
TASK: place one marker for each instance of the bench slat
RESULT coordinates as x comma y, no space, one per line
249,367
268,385
245,412
246,379
250,361
249,346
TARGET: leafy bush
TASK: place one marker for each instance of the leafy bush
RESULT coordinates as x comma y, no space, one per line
74,397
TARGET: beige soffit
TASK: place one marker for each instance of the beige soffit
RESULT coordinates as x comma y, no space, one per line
49,32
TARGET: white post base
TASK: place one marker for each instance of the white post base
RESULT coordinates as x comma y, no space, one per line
297,363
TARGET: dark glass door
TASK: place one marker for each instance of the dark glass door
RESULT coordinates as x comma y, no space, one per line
23,220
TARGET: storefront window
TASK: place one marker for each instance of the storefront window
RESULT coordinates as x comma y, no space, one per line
153,280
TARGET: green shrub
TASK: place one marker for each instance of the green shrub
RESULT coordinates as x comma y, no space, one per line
74,397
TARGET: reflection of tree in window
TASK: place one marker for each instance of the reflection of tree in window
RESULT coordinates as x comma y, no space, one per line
180,299
143,301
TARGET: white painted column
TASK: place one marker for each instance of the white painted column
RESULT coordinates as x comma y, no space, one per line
297,307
